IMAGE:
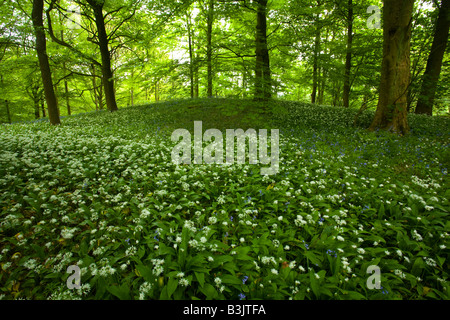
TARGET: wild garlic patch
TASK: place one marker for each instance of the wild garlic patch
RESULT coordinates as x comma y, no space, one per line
101,192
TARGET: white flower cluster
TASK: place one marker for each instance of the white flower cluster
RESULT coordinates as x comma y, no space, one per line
218,283
158,268
416,236
68,233
188,224
267,260
299,221
144,290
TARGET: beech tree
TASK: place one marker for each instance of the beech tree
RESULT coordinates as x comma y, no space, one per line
434,64
263,80
41,49
391,113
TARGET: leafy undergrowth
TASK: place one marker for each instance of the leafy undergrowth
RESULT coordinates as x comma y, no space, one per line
101,192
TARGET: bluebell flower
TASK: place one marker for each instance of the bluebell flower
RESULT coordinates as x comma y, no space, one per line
241,296
244,280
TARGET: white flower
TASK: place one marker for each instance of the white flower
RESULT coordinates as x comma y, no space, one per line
144,214
218,281
360,250
340,238
416,236
180,274
274,271
212,220
316,275
183,282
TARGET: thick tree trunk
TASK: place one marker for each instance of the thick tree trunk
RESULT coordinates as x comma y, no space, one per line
108,78
209,48
391,111
348,58
41,49
434,64
263,77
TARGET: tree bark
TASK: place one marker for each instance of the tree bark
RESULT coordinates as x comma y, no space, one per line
434,63
8,114
391,113
348,58
66,86
316,61
43,107
191,55
107,74
41,49
263,77
209,48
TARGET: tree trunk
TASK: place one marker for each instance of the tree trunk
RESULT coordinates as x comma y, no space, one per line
209,48
41,49
263,78
322,77
108,78
391,113
156,91
66,87
434,64
348,58
191,55
8,114
315,63
36,102
43,107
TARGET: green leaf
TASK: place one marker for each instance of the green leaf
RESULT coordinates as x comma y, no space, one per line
122,292
146,272
353,295
171,286
229,279
209,291
314,285
381,211
200,278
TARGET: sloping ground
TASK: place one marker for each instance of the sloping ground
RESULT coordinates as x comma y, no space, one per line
101,192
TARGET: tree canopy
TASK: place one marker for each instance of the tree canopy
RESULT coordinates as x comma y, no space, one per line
111,54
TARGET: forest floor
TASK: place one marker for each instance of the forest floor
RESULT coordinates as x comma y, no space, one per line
101,193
